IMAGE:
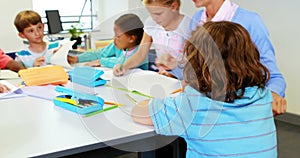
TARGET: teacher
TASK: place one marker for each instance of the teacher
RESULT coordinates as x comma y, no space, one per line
225,10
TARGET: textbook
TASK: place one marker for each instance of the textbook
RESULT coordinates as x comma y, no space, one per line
61,56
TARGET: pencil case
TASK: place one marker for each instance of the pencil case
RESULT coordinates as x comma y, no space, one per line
78,102
37,76
87,76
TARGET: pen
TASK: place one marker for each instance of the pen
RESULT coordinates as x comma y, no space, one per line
131,99
99,111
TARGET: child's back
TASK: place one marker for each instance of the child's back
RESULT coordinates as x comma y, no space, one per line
225,109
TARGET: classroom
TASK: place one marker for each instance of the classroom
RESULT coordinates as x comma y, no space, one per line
34,126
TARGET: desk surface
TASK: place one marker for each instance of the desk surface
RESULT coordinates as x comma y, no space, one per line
34,127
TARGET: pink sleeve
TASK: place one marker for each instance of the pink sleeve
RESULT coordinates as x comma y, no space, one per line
4,59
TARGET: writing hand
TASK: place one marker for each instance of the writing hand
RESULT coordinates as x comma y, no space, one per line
278,105
39,61
72,59
165,73
166,61
119,70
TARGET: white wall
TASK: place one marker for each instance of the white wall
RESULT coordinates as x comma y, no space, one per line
282,21
10,40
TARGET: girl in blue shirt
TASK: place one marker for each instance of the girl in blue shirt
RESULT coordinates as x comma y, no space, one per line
128,31
225,109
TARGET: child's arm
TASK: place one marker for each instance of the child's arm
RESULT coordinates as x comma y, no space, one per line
107,51
136,59
15,65
141,114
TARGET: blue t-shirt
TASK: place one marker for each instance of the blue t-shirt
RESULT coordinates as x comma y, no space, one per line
211,128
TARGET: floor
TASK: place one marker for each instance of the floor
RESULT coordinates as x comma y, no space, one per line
288,140
288,135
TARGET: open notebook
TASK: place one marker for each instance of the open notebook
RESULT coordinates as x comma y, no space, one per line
149,83
61,56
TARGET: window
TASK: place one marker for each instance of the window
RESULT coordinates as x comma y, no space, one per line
71,11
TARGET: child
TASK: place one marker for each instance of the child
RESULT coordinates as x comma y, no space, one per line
225,108
128,31
167,29
30,27
6,62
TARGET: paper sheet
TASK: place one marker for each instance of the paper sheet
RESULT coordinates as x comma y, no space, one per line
43,92
61,56
8,74
11,93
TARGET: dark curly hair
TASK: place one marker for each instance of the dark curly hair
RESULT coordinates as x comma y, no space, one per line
131,24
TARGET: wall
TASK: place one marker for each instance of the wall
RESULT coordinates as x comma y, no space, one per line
10,40
283,25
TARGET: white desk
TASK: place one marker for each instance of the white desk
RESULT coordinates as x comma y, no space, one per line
36,127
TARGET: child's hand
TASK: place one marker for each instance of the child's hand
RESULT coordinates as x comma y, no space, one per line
95,63
166,62
119,70
4,88
141,114
165,73
72,59
39,61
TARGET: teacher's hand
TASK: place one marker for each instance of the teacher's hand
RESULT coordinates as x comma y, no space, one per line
279,104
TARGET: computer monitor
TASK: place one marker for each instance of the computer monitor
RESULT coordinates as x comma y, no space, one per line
53,21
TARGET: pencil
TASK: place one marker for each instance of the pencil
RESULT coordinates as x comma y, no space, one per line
123,60
100,111
177,90
131,99
113,103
